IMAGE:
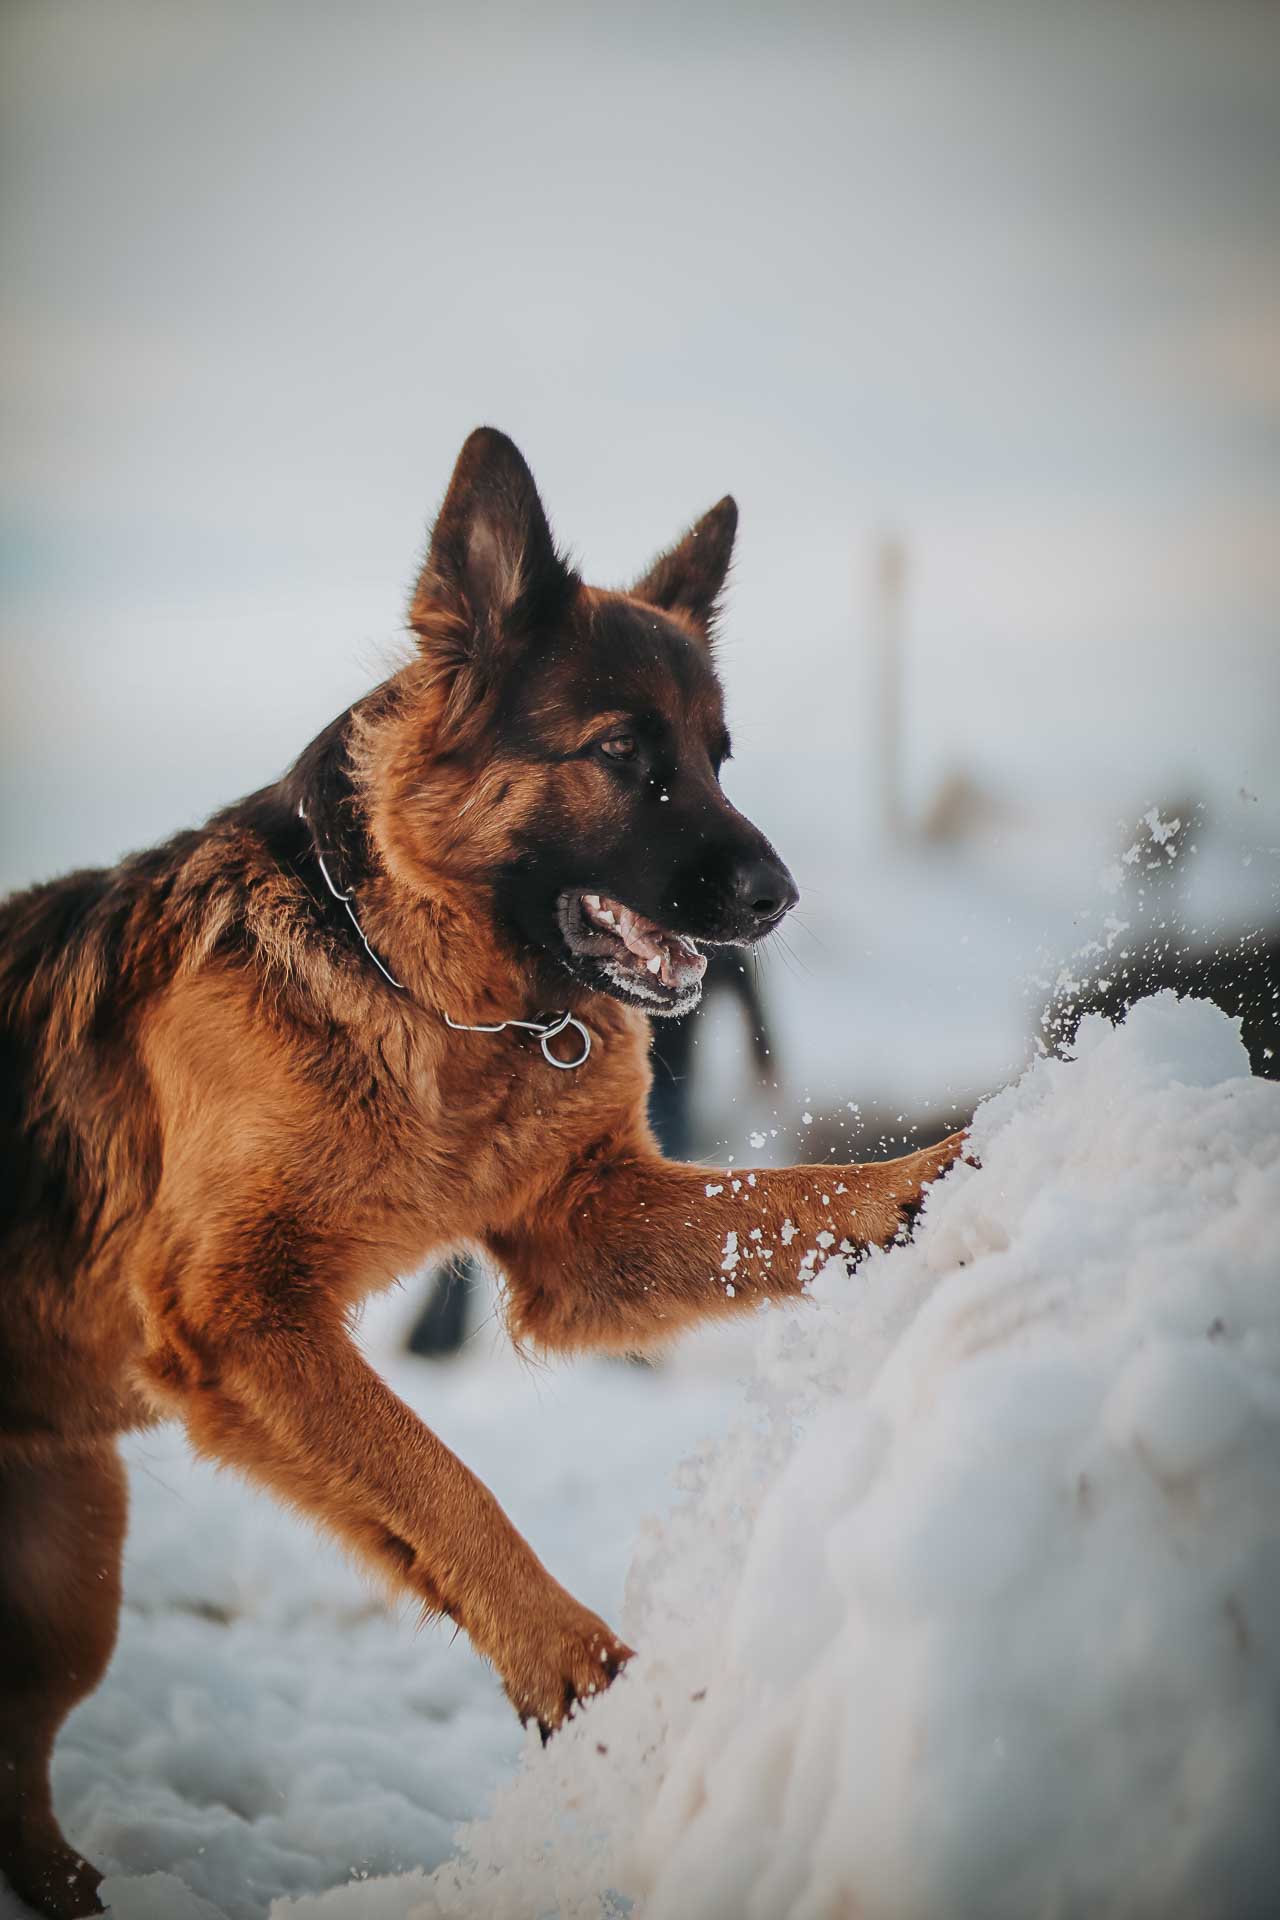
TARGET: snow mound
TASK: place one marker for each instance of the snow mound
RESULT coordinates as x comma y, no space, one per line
975,1612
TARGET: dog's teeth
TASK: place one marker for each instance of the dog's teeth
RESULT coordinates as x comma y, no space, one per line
608,917
655,965
591,900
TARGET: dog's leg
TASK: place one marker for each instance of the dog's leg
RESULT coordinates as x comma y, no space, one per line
632,1248
297,1408
62,1521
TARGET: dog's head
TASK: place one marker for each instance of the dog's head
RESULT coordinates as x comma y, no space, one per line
575,741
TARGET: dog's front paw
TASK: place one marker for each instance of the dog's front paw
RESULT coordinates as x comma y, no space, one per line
930,1163
890,1193
564,1658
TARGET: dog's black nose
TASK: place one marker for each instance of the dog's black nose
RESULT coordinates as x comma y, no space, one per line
765,889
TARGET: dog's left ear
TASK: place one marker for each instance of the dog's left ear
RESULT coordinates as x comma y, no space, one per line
689,578
492,574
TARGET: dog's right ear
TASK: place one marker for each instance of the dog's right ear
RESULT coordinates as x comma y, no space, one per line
492,575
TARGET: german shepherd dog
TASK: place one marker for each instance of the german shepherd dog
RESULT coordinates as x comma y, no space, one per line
257,1072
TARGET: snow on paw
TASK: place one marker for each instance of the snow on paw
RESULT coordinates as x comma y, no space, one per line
577,1658
915,1173
935,1160
890,1193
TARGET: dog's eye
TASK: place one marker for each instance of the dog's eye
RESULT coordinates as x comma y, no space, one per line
620,746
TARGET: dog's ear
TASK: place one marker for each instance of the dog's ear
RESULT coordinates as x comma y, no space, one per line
689,578
492,574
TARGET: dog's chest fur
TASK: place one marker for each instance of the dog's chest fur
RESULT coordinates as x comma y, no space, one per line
382,1140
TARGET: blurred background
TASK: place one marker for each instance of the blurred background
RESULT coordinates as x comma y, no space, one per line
976,309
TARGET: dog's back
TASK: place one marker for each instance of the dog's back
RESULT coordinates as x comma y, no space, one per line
51,941
79,1150
79,959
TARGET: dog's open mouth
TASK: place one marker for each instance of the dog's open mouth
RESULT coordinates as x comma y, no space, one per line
633,950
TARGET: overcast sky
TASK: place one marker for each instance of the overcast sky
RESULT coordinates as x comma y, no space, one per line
1006,279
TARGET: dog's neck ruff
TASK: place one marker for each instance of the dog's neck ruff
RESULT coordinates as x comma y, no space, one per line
546,1030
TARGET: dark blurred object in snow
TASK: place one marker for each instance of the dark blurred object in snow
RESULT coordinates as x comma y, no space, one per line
1164,947
441,1327
1242,978
674,1049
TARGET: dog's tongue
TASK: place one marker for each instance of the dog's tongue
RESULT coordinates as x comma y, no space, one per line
669,956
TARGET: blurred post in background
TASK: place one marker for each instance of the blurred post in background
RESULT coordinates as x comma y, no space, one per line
887,644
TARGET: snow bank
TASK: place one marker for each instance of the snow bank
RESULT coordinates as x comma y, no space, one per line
977,1611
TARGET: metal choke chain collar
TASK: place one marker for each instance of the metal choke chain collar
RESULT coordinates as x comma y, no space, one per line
546,1030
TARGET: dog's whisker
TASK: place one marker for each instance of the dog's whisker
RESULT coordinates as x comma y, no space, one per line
803,926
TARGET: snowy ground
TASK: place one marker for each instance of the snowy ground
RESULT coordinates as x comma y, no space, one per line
967,1608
